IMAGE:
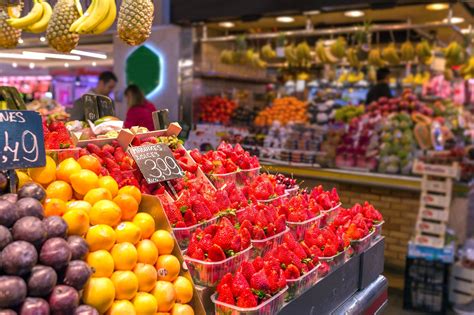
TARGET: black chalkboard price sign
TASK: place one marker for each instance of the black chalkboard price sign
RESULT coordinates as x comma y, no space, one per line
21,140
156,162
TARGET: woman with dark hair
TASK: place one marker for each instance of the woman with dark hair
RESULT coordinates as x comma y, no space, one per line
139,109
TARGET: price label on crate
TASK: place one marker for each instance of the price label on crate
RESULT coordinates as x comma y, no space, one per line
21,140
156,162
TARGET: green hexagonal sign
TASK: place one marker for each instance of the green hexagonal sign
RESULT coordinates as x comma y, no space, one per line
143,68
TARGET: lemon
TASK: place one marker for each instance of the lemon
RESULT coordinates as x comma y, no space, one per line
125,256
66,168
99,293
83,181
100,236
126,285
145,304
101,262
105,212
128,232
77,221
46,174
97,194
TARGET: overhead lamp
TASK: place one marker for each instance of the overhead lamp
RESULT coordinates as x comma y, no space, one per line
14,65
94,64
314,12
467,30
226,24
32,65
20,41
51,56
437,6
20,56
42,39
66,65
88,54
454,20
354,13
285,19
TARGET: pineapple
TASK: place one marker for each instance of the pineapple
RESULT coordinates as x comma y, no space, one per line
9,36
135,21
64,14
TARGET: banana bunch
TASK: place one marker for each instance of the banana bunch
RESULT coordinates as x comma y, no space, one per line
408,80
36,21
227,57
291,56
255,61
354,77
454,54
323,56
268,52
338,48
98,18
375,59
422,78
372,74
407,52
343,77
423,52
390,54
352,57
303,54
467,70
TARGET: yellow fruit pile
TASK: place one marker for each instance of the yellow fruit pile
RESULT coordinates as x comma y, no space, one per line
134,271
283,110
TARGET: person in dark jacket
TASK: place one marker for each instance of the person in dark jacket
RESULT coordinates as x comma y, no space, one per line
139,109
380,89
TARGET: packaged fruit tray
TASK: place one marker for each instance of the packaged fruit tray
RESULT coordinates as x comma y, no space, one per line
377,231
335,261
208,273
292,191
362,244
297,287
221,180
261,247
329,215
62,154
183,235
244,177
299,228
273,201
269,307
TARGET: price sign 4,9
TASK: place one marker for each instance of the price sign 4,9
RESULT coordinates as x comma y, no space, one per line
156,162
21,140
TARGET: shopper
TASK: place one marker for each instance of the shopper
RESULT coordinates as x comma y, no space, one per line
381,89
105,86
139,109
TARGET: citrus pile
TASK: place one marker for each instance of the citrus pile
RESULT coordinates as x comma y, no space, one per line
134,271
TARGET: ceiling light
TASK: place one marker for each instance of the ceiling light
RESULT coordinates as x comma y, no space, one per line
314,12
88,54
14,65
32,65
454,20
467,30
51,56
285,19
226,24
42,39
20,41
66,65
437,6
354,13
94,63
20,56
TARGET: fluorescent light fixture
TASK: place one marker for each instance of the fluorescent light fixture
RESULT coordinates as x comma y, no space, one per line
66,65
226,24
354,13
88,54
14,65
20,56
51,56
94,63
454,20
467,30
42,39
314,12
32,65
437,6
21,41
285,19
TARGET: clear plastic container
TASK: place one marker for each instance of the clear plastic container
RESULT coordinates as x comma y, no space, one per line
336,260
221,180
377,231
62,154
183,235
269,307
261,247
208,273
299,228
244,177
297,287
359,246
292,191
329,215
273,201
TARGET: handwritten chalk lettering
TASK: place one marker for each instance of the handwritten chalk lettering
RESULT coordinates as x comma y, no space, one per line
11,116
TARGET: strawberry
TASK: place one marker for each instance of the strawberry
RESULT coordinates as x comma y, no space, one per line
239,284
259,282
226,279
216,253
225,295
198,254
281,279
273,277
247,269
211,229
292,272
236,243
280,224
258,263
206,243
201,211
245,238
329,250
258,233
246,299
224,237
189,218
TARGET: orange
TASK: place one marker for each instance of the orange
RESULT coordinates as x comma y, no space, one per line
128,205
59,189
182,309
79,204
100,236
126,285
146,223
105,212
101,262
128,232
167,267
97,194
90,163
83,181
164,241
165,295
125,256
109,183
146,275
77,221
184,290
147,252
66,168
145,304
131,190
54,206
121,307
99,293
46,174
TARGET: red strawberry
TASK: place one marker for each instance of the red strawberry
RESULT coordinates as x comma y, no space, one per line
280,224
259,282
247,269
245,238
235,246
270,231
225,295
198,254
258,263
258,233
292,272
224,237
211,229
189,218
201,211
273,277
216,253
330,250
246,299
180,224
206,243
281,279
226,279
239,284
